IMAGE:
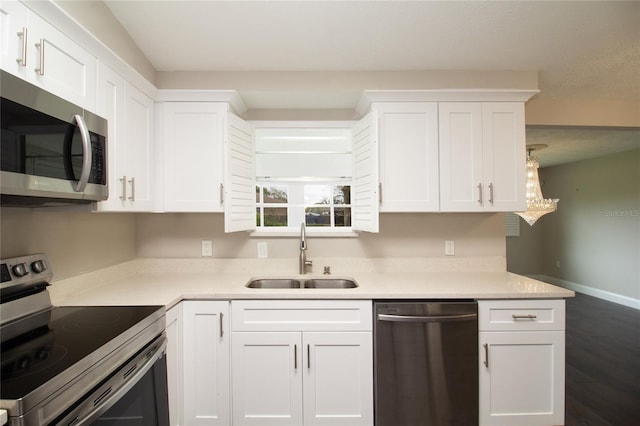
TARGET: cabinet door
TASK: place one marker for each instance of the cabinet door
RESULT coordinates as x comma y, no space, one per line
504,156
110,105
138,149
240,175
267,378
14,34
174,364
59,65
409,172
206,363
460,130
522,378
192,150
338,378
364,193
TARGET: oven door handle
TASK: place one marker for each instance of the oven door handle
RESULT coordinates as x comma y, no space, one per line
108,397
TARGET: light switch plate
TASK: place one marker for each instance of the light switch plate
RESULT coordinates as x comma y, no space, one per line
262,250
449,248
207,248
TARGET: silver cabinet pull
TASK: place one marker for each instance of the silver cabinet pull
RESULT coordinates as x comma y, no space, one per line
486,355
123,197
40,69
23,60
86,153
380,192
480,193
491,193
295,357
221,328
221,193
308,356
133,189
527,316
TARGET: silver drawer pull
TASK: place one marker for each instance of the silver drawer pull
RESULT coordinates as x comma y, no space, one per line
486,355
23,59
40,46
528,316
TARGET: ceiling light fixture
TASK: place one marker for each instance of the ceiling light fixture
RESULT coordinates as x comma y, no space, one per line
537,206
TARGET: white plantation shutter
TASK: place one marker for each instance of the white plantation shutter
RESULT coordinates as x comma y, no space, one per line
364,194
239,165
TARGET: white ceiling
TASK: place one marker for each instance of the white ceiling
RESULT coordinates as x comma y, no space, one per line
569,144
580,49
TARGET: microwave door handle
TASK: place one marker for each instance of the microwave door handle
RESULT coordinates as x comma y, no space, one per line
86,153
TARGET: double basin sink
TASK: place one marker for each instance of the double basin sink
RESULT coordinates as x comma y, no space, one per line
287,283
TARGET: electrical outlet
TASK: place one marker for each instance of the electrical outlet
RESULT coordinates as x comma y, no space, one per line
262,250
207,248
449,248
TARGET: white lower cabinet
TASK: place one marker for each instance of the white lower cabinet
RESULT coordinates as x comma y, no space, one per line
206,363
522,356
287,371
267,385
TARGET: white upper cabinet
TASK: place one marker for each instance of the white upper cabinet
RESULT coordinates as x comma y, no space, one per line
364,194
14,33
41,54
408,139
191,135
130,143
207,159
482,156
504,155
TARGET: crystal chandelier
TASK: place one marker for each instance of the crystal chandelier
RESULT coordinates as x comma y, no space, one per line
537,206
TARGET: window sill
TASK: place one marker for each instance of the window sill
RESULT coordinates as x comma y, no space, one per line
310,232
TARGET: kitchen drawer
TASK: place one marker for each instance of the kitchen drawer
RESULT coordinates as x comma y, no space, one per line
521,315
301,315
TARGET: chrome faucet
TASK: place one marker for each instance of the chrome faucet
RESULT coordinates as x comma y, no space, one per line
303,262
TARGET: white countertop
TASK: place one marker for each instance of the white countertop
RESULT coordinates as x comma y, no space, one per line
168,281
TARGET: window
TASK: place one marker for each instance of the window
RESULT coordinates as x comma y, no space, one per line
327,205
303,175
317,205
272,205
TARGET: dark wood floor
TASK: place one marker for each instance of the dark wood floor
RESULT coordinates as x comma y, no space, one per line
602,363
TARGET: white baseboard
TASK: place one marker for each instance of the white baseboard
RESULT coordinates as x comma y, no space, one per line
595,292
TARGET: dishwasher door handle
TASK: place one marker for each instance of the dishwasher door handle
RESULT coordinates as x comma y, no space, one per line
427,318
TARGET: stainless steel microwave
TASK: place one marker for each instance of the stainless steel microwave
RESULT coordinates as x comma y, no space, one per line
52,152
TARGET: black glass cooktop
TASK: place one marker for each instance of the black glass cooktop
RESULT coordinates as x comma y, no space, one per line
48,343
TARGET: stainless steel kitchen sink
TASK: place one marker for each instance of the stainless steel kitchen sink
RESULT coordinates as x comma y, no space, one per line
284,283
274,283
330,283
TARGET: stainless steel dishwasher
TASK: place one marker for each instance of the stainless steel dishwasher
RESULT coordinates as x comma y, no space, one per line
426,363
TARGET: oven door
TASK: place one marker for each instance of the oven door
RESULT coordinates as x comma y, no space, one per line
136,394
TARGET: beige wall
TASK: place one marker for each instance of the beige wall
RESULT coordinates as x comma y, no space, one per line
75,240
594,238
401,235
583,112
96,17
524,252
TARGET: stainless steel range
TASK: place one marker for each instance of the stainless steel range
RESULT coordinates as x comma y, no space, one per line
77,365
